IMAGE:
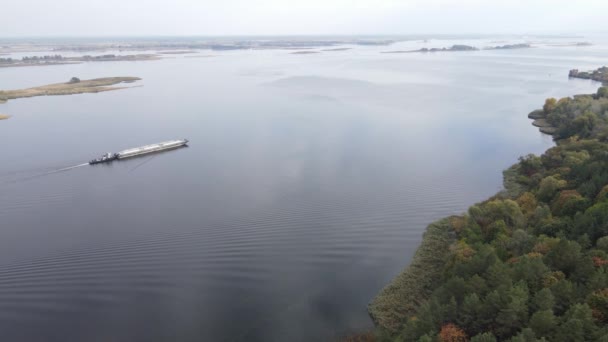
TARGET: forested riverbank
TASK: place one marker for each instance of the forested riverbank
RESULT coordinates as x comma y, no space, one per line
528,264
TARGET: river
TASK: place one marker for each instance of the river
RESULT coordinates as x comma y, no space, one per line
306,188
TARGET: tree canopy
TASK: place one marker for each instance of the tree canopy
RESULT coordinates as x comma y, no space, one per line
531,264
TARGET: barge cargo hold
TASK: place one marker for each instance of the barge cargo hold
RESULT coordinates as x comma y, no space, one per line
138,151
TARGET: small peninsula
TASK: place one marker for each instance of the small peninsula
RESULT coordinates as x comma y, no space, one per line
74,86
556,117
562,118
528,264
60,60
600,74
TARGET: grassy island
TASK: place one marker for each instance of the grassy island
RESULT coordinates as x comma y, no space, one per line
4,116
528,264
453,48
509,47
74,86
305,52
338,49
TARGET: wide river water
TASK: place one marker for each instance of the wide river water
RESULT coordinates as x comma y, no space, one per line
306,188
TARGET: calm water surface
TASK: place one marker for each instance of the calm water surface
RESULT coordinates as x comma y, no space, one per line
307,185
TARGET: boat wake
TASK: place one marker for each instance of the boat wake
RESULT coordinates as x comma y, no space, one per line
68,168
43,174
106,158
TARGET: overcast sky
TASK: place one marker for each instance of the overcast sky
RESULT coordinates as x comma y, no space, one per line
285,17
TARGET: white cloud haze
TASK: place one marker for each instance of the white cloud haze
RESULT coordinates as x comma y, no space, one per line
275,17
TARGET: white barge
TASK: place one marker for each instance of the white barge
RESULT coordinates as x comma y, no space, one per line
138,151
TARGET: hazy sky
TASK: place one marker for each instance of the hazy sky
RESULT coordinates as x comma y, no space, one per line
284,17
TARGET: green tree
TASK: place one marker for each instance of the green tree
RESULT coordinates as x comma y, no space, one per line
485,337
602,243
514,315
564,294
521,242
530,164
543,323
583,125
578,325
526,335
492,304
426,338
565,256
595,221
543,300
469,315
498,274
531,270
549,187
571,330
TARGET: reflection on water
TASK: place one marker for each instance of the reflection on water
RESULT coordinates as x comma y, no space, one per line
306,187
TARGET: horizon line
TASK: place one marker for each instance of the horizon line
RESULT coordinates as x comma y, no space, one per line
554,34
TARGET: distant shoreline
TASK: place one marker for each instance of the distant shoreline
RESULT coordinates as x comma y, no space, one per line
458,48
60,60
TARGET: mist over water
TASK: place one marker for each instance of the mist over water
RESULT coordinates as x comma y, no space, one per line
307,185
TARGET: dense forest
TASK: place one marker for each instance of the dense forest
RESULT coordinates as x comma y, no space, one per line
530,263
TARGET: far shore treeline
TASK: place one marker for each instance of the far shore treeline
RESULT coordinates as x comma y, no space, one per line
528,264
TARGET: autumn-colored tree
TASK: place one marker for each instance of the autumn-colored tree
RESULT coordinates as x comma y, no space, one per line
548,187
549,106
462,251
544,244
552,278
527,202
598,301
568,202
457,223
599,262
452,333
